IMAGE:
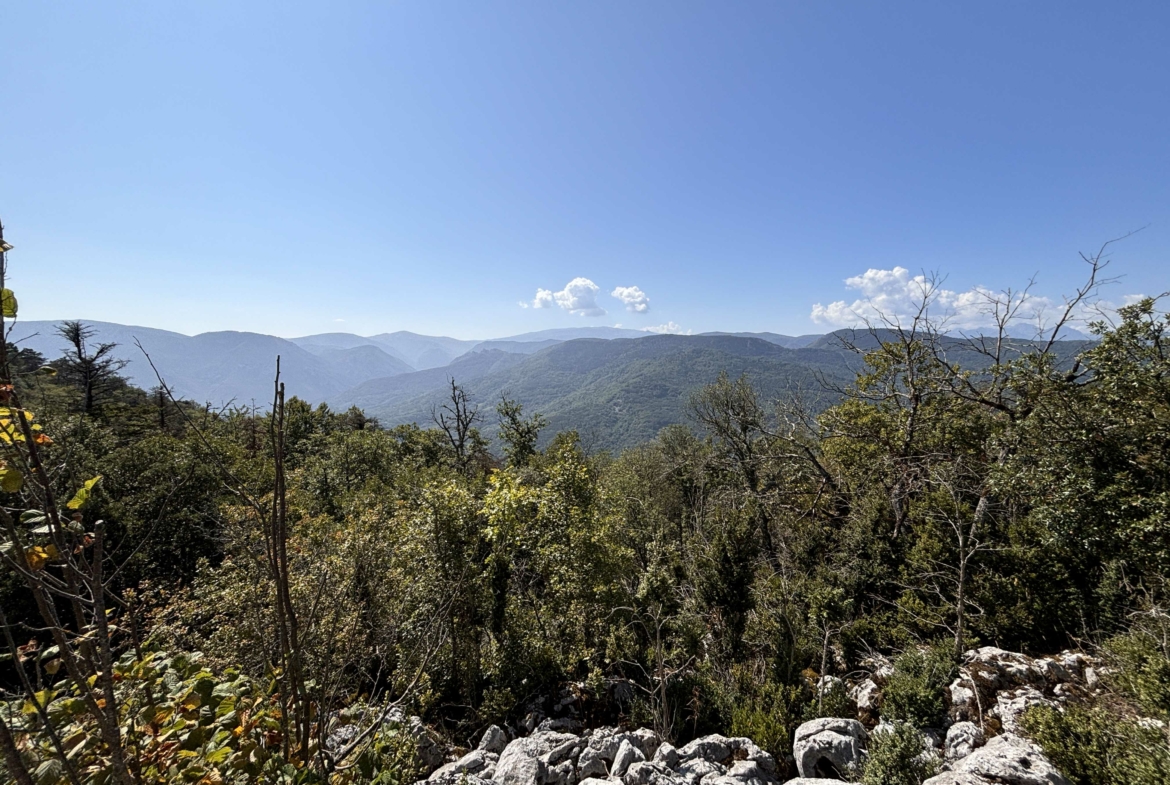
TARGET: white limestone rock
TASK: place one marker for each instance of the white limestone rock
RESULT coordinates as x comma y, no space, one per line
828,746
963,738
1009,760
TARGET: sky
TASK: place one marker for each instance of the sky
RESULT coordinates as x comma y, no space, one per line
485,169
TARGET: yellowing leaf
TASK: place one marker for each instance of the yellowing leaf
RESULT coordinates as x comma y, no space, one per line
10,480
40,555
8,303
82,496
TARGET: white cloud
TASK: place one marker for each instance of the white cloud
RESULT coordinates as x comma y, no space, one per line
897,295
578,297
633,298
543,299
670,328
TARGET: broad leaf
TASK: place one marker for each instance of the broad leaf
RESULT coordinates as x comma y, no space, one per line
82,496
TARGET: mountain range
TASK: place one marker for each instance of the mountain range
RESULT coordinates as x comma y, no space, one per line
618,387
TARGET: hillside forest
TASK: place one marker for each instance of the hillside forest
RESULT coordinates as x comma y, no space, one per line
207,595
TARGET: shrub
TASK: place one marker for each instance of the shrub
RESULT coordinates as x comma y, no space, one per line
1143,671
914,693
769,718
834,701
1094,746
898,757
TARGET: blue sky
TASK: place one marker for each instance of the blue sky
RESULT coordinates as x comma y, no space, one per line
297,168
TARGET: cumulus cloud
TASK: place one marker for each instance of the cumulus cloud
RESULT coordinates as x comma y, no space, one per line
670,328
578,297
633,298
544,299
897,296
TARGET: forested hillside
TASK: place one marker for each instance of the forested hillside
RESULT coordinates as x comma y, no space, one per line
297,594
615,393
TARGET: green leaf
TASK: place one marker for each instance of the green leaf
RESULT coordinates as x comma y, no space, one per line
218,756
8,303
82,496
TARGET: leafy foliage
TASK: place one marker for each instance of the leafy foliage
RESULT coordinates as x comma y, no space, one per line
899,756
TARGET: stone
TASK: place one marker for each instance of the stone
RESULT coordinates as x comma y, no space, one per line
1013,668
963,699
696,769
1009,760
1052,670
461,778
744,749
562,724
713,748
473,762
645,740
520,769
565,750
955,778
1011,705
591,764
627,753
542,758
604,742
667,755
816,781
494,739
1092,678
962,739
867,695
828,747
429,753
339,737
880,667
597,781
745,772
828,685
650,773
561,774
1074,663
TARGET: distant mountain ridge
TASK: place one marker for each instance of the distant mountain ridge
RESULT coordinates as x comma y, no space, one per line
222,367
618,392
620,385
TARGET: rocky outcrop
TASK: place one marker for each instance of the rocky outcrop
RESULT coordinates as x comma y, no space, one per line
829,747
981,746
1002,685
1009,760
963,738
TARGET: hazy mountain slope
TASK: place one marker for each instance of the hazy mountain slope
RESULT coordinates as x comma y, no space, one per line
787,341
374,394
620,392
573,333
516,347
325,344
423,351
221,367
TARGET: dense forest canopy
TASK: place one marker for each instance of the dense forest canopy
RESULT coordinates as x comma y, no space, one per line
192,594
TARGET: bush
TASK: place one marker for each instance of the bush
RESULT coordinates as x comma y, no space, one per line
1094,746
914,693
833,701
1143,671
898,757
769,718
